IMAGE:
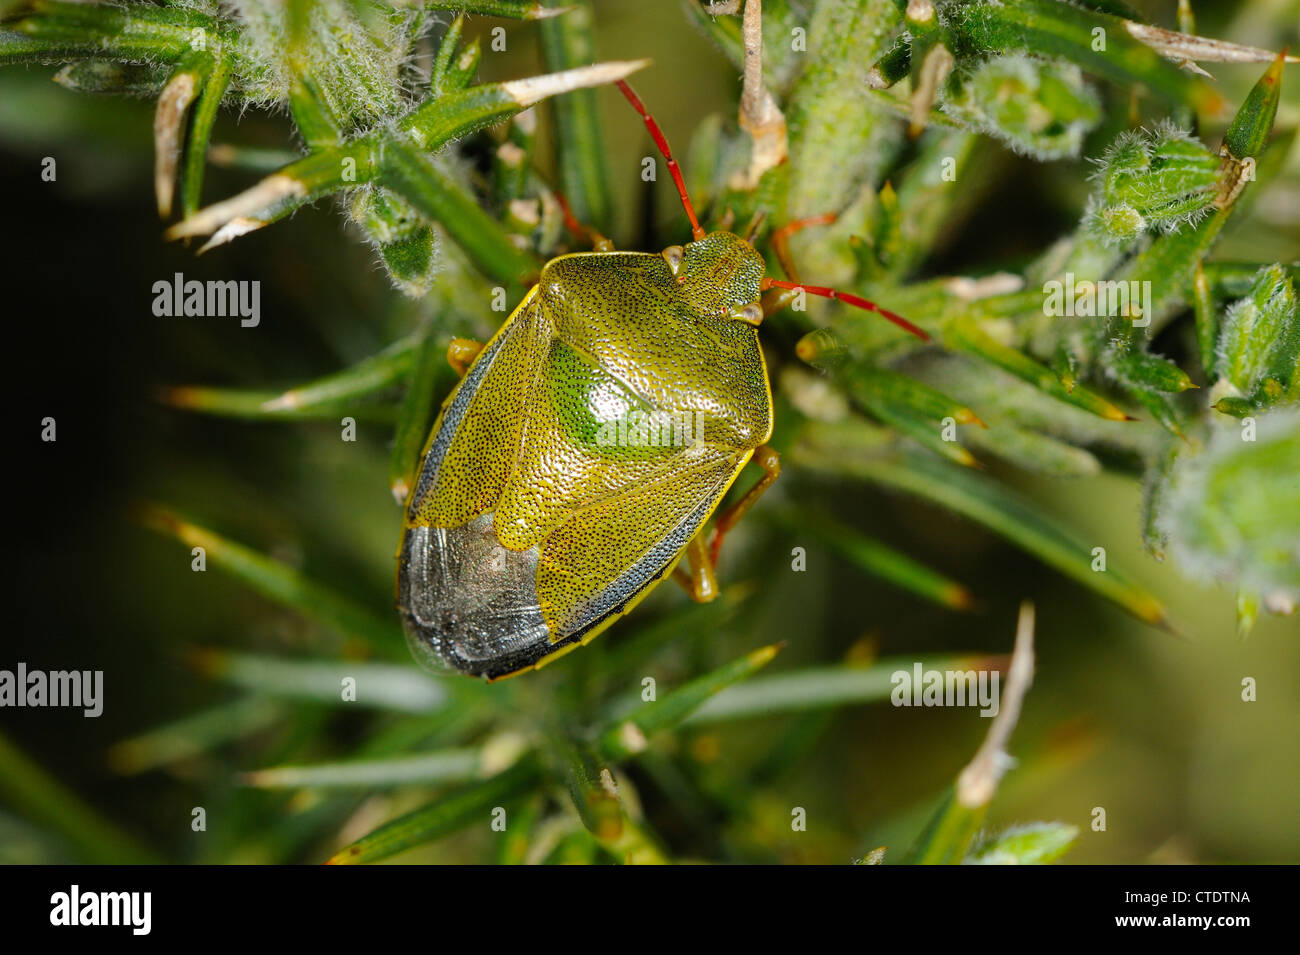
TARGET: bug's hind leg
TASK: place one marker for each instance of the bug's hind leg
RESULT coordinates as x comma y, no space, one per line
461,352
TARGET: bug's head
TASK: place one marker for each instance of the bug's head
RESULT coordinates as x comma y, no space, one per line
720,273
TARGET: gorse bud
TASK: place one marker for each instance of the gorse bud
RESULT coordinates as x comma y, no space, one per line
357,67
1040,108
1152,179
1259,342
404,239
1233,510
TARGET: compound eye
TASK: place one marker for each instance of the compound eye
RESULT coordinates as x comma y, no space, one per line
751,313
673,256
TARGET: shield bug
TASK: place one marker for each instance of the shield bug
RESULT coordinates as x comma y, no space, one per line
588,443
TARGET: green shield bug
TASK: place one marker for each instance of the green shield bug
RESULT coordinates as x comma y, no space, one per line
587,445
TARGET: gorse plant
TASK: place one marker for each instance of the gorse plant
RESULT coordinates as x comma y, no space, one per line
1123,345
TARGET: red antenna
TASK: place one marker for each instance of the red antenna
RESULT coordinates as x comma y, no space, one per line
849,299
657,135
780,237
781,246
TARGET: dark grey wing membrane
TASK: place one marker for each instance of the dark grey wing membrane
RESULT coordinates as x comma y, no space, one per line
469,604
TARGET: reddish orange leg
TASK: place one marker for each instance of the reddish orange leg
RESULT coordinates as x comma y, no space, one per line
781,240
780,298
584,232
785,291
702,556
767,459
849,299
461,353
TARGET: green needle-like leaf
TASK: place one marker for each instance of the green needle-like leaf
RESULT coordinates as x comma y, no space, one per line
880,560
458,114
925,433
819,688
430,375
1254,121
631,734
1154,372
948,834
518,9
342,392
196,147
581,145
422,769
839,448
446,815
381,686
43,799
139,33
1037,843
181,89
908,393
915,409
279,582
1207,318
591,786
325,171
196,734
1034,451
965,335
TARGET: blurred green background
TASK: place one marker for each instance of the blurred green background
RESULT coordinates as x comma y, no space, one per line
1121,716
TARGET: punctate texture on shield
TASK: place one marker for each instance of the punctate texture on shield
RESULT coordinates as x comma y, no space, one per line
534,518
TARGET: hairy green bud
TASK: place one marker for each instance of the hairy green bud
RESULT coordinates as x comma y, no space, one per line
1040,108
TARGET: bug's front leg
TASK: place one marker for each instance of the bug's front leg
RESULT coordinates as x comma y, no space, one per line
461,352
776,299
586,233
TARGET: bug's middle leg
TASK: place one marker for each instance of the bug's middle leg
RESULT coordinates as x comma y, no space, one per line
461,352
701,583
